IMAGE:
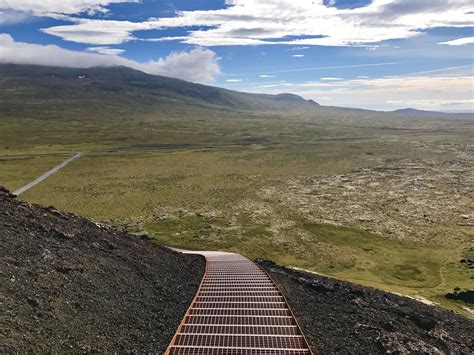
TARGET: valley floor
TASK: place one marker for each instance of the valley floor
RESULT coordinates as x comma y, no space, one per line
381,202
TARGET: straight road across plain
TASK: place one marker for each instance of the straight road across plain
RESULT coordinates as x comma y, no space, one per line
46,174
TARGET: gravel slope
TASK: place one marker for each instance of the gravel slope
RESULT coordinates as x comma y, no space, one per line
340,317
68,285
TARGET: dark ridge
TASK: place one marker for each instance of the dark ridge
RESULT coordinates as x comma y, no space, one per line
294,98
126,89
68,285
415,112
465,296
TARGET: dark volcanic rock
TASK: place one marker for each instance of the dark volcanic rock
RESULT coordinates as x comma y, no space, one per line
466,296
68,285
340,317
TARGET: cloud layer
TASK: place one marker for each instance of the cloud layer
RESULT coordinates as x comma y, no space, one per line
255,22
460,41
12,17
197,65
52,7
423,91
106,50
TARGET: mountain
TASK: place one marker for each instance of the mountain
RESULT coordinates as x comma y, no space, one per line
32,91
415,112
25,89
106,96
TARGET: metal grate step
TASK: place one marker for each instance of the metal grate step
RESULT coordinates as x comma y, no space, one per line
238,310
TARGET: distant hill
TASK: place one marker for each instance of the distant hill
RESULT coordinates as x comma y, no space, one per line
415,112
32,91
26,89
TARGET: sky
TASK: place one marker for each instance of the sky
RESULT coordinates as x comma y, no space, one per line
375,54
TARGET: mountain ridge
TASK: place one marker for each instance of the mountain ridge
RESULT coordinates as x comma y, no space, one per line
34,90
417,112
119,80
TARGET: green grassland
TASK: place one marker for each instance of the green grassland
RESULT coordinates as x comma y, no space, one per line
209,196
198,180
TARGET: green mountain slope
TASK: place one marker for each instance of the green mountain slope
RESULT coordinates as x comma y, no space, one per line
27,90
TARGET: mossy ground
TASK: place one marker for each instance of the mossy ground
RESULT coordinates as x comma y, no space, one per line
209,195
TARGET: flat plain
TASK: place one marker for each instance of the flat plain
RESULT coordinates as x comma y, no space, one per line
384,202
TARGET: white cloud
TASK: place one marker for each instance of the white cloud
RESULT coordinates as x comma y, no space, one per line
459,41
298,48
210,41
97,32
197,65
296,23
52,7
298,55
106,50
367,65
331,79
11,17
267,76
234,80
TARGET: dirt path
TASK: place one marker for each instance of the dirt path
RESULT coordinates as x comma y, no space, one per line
46,174
237,310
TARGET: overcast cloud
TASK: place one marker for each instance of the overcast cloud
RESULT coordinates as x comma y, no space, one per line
197,65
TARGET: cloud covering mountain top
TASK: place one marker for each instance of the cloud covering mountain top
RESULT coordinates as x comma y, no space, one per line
197,65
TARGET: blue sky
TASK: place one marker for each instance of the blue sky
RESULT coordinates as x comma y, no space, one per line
378,54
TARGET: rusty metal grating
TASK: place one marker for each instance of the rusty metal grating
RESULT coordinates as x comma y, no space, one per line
238,298
234,351
237,310
240,312
242,329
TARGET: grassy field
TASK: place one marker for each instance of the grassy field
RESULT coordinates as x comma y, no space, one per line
241,184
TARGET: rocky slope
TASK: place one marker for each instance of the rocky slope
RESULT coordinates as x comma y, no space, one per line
340,317
69,285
